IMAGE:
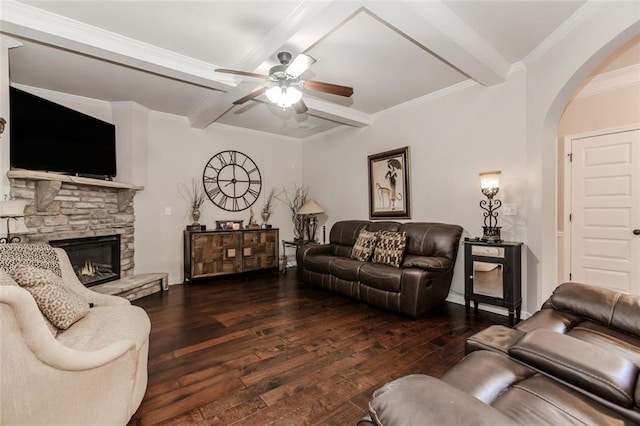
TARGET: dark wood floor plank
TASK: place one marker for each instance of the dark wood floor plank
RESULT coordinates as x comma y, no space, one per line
265,349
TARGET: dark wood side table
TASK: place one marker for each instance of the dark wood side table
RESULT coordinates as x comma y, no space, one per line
296,244
493,275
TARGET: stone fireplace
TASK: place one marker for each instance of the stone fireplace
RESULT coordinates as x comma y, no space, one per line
95,260
68,207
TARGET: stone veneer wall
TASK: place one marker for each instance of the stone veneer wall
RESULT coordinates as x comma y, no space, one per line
79,211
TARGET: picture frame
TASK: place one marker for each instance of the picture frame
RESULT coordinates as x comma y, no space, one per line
389,185
228,225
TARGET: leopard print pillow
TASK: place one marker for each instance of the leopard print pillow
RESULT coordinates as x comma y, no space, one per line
60,304
5,279
37,255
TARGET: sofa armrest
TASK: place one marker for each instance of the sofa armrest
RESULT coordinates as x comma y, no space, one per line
28,324
603,305
424,400
579,363
428,263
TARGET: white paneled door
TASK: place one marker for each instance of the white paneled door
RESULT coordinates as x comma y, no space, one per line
605,210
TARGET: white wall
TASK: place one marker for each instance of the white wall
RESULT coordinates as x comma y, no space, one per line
451,139
552,79
176,154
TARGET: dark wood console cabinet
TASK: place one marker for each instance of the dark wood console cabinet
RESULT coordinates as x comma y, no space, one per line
493,275
214,253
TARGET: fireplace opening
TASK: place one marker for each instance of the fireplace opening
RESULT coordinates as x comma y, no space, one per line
95,260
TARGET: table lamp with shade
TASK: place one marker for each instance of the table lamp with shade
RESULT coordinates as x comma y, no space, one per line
310,209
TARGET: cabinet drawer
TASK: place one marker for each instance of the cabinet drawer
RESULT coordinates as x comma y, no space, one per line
497,252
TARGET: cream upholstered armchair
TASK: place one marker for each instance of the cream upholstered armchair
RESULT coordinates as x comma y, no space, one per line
94,372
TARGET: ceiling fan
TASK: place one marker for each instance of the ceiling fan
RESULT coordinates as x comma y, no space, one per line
283,82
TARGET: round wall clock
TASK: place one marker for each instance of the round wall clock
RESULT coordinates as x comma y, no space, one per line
232,181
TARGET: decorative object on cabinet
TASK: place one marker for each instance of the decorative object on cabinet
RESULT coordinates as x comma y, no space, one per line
12,214
232,180
389,191
295,199
252,224
267,209
214,253
309,210
490,185
228,225
493,275
195,196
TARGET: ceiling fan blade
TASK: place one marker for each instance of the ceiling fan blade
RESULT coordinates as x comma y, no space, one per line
250,96
300,64
334,89
300,107
246,74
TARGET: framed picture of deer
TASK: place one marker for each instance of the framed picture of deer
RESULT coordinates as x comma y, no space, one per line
389,191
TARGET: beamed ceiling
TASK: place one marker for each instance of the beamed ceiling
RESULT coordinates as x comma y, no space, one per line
162,55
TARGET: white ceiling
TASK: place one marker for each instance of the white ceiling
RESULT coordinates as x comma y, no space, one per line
162,55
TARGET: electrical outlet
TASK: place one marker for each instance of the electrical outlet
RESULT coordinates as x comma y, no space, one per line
167,211
509,210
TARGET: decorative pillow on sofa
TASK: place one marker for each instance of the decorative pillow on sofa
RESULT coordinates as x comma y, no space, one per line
60,304
363,248
390,248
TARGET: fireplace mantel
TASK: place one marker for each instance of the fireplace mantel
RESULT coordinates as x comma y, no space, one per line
48,185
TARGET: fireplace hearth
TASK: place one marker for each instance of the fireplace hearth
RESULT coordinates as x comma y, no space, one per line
95,260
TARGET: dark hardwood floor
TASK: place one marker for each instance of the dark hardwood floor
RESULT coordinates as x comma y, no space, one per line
266,349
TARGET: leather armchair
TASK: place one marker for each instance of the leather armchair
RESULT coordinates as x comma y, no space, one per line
575,361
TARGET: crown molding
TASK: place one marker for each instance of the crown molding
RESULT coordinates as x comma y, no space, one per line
429,97
588,9
8,42
52,94
612,80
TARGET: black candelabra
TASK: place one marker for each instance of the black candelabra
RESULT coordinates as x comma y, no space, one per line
490,187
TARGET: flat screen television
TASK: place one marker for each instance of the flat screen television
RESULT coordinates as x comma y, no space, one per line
50,137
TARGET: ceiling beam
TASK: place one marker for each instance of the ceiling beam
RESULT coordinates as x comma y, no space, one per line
434,27
338,113
22,20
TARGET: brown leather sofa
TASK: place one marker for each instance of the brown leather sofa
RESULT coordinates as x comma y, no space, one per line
576,361
421,282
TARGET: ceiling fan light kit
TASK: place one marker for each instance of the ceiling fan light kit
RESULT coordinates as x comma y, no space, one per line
282,81
283,96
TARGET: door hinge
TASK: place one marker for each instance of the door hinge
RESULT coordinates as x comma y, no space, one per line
570,217
569,276
570,157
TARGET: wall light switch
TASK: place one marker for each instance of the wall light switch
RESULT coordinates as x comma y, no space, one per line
510,209
167,211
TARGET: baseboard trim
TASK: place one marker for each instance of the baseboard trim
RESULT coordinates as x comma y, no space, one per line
459,299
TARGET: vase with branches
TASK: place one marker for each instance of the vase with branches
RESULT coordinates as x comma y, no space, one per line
295,198
267,209
193,194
